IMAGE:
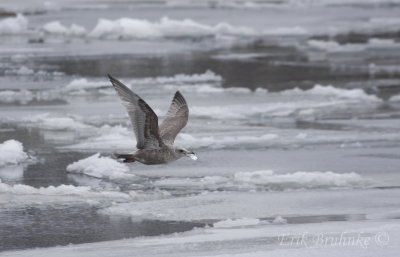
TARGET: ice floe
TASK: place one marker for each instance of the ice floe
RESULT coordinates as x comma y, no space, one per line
279,220
207,89
333,46
119,138
25,71
12,152
300,179
110,137
15,25
395,98
267,180
61,190
228,223
83,83
330,91
129,28
46,121
281,31
25,97
216,142
222,205
207,82
13,172
100,167
165,28
21,96
207,76
55,27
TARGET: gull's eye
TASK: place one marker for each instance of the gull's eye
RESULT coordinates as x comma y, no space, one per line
181,151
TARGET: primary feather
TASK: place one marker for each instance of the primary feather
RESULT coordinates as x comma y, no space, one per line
143,119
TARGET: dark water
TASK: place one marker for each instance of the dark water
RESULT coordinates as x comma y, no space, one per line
45,226
277,68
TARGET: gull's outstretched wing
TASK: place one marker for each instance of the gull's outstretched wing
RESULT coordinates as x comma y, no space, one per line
176,119
143,119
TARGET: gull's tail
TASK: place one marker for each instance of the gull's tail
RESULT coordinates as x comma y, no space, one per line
126,157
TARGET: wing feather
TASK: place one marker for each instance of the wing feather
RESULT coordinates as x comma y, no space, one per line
176,119
143,119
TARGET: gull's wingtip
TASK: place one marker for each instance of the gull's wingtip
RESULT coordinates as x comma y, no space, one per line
178,93
115,82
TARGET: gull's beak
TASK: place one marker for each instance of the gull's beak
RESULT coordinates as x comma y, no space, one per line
192,156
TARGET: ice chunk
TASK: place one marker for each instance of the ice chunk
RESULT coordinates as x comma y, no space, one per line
228,223
100,167
12,152
395,98
22,96
207,76
333,46
55,27
45,121
12,172
24,71
279,220
109,138
82,83
300,179
61,190
295,30
354,94
267,180
167,28
217,142
15,25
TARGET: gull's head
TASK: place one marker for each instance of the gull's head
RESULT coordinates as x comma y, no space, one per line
181,152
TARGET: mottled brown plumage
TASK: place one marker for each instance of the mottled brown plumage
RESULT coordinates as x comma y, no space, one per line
155,144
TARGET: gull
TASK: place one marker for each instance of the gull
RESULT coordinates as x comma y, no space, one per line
155,144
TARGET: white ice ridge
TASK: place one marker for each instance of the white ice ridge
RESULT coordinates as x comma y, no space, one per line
222,205
207,76
269,180
130,28
229,223
331,91
55,27
61,190
12,152
165,28
24,96
300,179
83,83
15,25
45,121
333,46
100,167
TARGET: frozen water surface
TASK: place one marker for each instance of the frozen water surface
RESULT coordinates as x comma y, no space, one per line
294,118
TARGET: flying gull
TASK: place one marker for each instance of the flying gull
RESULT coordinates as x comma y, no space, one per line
155,144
